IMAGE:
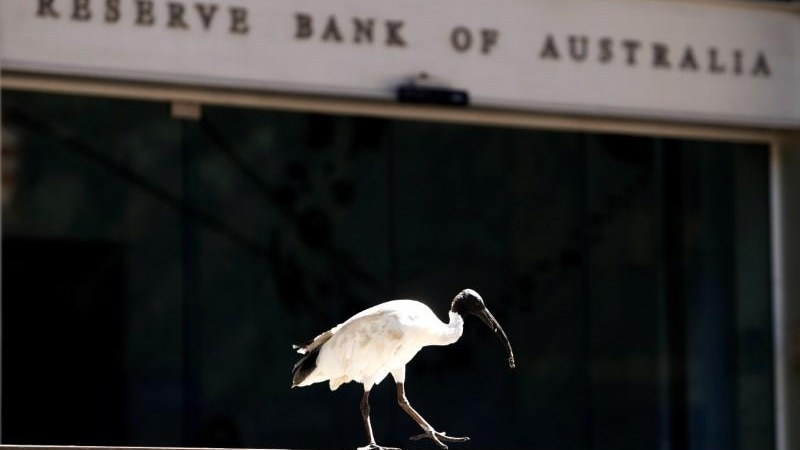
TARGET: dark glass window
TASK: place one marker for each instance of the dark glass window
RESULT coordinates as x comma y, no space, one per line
157,271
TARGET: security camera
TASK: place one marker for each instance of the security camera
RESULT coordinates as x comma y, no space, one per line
421,90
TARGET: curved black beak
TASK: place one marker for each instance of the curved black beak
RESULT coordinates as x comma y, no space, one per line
492,323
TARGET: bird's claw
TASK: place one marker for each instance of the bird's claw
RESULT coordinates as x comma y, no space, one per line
376,447
438,437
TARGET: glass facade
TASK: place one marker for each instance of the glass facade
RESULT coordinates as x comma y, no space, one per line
156,272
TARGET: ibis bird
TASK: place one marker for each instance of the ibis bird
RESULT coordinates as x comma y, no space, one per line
380,341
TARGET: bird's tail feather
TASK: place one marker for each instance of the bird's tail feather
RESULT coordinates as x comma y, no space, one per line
303,368
316,342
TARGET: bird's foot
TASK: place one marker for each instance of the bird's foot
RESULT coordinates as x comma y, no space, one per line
438,437
374,446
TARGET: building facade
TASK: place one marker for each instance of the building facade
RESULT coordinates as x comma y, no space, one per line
191,187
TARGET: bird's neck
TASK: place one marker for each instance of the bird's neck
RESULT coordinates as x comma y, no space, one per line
453,329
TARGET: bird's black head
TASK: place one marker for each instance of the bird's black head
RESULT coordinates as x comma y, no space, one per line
469,302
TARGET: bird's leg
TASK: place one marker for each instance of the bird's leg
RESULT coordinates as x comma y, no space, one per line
368,426
429,432
365,416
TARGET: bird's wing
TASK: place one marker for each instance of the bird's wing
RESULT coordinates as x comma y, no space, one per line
324,337
317,341
364,346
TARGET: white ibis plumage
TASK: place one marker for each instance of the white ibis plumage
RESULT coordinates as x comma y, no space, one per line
380,341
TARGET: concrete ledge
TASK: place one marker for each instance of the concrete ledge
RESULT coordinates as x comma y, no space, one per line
89,447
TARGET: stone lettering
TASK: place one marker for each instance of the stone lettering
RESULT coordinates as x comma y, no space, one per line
393,36
176,11
363,30
660,56
239,23
81,11
737,62
688,60
46,9
549,49
489,39
112,11
714,65
302,28
144,13
761,67
331,32
578,48
656,55
631,47
173,14
461,39
358,30
606,52
206,11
